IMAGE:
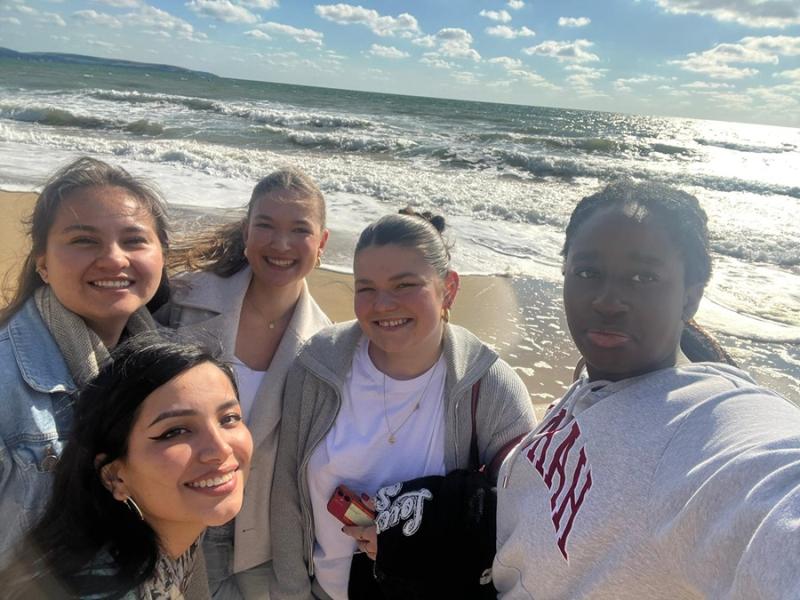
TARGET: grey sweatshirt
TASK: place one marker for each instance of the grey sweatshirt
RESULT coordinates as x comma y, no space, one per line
312,399
682,483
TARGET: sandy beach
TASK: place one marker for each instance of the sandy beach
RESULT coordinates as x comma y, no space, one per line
505,312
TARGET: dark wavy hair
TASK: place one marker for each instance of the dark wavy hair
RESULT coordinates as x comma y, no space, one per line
684,221
81,174
82,518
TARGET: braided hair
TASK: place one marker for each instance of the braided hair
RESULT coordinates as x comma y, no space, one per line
686,224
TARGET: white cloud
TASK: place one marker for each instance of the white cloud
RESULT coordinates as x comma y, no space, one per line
260,4
515,69
506,62
49,18
404,25
93,17
793,74
454,42
573,21
496,15
302,36
387,52
427,41
101,44
752,13
433,60
259,35
160,22
509,33
564,51
122,3
624,84
10,20
43,18
466,77
706,85
515,4
224,10
717,62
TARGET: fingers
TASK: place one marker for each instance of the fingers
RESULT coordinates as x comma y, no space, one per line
366,538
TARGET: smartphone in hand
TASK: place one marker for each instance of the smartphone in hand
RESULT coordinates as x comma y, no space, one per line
349,508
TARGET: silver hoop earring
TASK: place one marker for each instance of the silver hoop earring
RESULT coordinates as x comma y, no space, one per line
134,508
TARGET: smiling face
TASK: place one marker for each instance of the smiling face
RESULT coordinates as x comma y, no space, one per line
103,259
625,296
188,456
283,238
399,300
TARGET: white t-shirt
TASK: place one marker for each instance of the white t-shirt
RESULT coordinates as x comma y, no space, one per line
248,381
356,452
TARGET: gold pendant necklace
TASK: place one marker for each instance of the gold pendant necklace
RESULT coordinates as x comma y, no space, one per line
392,438
270,324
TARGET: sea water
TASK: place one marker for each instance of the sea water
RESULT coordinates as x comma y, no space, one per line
505,176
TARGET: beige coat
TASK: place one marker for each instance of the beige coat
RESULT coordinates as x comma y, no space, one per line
206,307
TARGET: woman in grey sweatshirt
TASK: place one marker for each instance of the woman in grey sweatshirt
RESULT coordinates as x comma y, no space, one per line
654,477
383,399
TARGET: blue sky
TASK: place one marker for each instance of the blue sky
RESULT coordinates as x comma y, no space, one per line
722,59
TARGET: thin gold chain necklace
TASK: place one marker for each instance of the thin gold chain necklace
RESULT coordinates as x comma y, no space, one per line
254,306
392,432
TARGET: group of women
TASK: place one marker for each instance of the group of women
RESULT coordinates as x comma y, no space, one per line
166,439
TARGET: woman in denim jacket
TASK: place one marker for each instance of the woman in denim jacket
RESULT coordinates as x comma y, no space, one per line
97,259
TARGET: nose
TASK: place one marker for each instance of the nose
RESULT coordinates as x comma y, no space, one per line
279,241
609,301
113,257
215,447
384,301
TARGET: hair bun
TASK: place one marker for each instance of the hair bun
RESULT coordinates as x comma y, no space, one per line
436,220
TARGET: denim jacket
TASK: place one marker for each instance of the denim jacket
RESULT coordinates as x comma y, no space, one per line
35,420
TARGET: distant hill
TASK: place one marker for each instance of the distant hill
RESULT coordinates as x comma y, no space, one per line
80,59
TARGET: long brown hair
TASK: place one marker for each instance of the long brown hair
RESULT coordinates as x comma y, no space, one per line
80,174
221,250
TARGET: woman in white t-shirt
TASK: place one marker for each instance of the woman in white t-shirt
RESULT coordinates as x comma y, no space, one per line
382,399
244,289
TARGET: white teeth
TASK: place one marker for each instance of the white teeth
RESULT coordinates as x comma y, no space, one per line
112,283
214,482
393,322
280,262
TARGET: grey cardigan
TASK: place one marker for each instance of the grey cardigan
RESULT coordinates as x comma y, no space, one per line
311,403
207,307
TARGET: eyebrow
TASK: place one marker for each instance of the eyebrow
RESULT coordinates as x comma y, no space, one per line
646,259
392,278
295,222
93,229
189,412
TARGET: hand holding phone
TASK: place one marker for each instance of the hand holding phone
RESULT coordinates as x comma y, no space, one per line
349,508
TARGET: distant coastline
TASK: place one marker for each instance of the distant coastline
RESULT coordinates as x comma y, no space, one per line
81,59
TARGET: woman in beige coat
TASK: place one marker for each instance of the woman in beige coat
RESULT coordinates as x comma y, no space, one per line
245,290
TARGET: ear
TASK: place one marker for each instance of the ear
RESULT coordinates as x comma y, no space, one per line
110,476
41,267
245,228
323,240
691,300
451,282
